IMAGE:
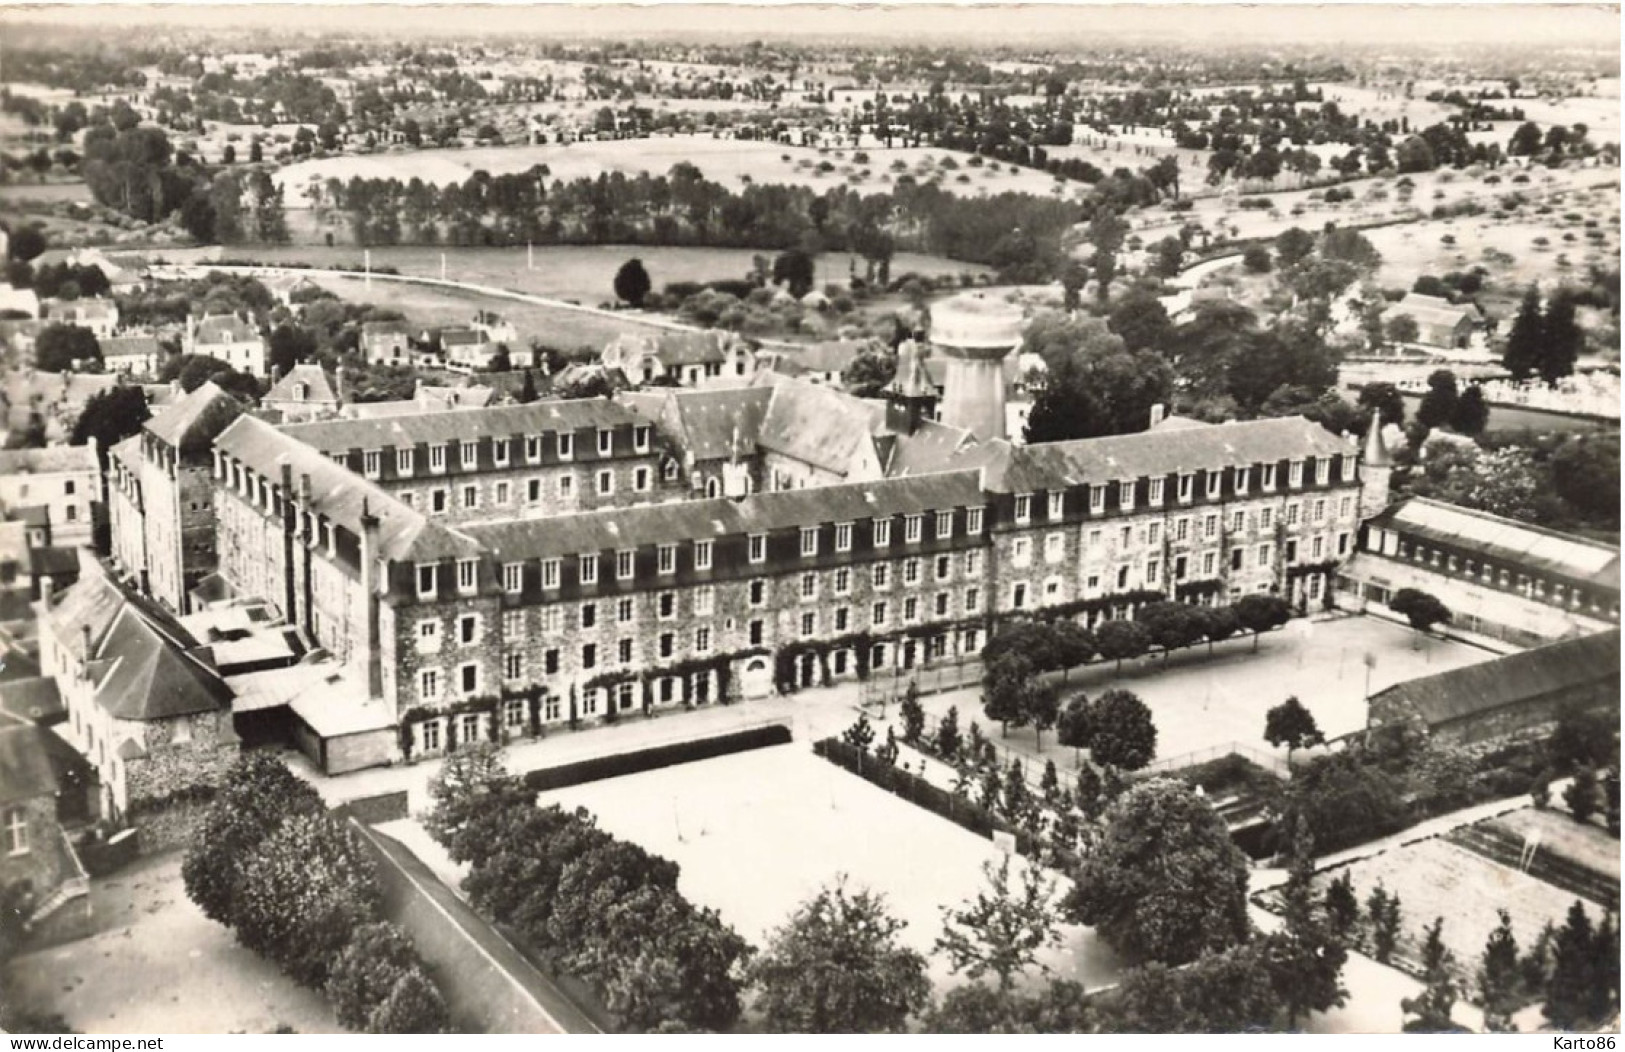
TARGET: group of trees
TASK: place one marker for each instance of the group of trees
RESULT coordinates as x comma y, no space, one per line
1559,480
603,909
1444,405
1543,342
295,885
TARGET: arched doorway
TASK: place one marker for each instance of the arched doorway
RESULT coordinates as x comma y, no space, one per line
756,678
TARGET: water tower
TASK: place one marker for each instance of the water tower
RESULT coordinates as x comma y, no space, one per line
975,333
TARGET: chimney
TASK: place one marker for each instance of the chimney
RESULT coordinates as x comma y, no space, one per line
289,519
1159,413
45,587
309,535
84,660
369,587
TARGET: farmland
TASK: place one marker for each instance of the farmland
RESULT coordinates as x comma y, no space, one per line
729,161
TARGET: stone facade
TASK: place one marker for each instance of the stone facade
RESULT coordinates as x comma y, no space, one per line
30,848
65,481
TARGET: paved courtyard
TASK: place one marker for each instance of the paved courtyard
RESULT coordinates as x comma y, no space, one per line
157,965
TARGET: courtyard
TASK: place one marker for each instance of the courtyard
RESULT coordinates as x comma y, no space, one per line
156,965
758,833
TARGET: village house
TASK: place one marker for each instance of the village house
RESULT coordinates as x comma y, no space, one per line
687,358
823,362
229,338
386,343
40,873
56,486
308,392
100,316
132,355
1440,324
144,706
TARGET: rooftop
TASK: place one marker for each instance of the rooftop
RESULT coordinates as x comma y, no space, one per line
47,460
1491,535
430,428
193,421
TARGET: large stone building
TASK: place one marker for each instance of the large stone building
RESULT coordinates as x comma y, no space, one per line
1501,578
231,339
465,626
56,486
161,497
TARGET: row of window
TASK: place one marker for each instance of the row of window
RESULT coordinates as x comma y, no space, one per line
1098,495
1180,530
1555,592
468,450
502,492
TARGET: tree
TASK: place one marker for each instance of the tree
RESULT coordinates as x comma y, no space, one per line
1220,623
257,795
365,973
1306,956
110,417
868,373
1471,412
1096,388
1574,973
1003,928
1165,883
1008,680
60,348
1260,612
1342,906
1292,725
1384,912
1073,727
1433,1005
414,1006
1525,141
912,713
1142,322
632,282
1256,259
794,268
1524,352
26,242
1172,625
464,785
303,892
289,345
1292,246
1581,795
948,739
1402,329
1585,474
1123,734
1384,402
1561,339
1439,404
1219,993
1106,233
1422,609
1499,981
1415,155
838,967
1117,640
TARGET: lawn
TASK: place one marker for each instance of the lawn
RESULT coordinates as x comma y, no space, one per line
582,273
156,965
1559,834
728,161
1436,878
757,834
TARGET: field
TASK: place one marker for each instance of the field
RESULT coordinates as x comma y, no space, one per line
1560,835
429,307
1436,878
757,834
1415,249
156,965
582,273
728,161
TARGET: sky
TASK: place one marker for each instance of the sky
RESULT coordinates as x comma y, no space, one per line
1055,24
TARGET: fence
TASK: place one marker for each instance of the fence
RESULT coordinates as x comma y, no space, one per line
1274,764
940,678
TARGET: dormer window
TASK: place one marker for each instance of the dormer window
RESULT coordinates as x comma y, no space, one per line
973,521
758,547
945,525
589,569
499,452
1057,504
809,540
624,565
843,536
912,529
403,462
702,555
467,575
1243,475
1295,474
882,533
550,573
533,449
1215,484
640,438
427,585
606,442
372,463
1153,494
1097,499
437,458
470,454
666,558
1125,494
567,446
1187,484
1323,470
1268,481
1024,508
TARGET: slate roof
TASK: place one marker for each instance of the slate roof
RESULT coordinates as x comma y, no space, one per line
534,418
827,356
143,674
47,460
817,425
709,423
319,386
129,346
690,348
225,328
633,527
932,447
128,453
1058,465
1519,543
1448,696
341,495
1433,310
193,421
35,699
25,766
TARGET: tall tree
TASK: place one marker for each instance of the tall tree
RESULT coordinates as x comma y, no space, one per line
110,417
1561,338
838,967
632,282
1122,732
1569,988
1259,613
1002,930
1292,725
1438,406
1422,609
1307,956
1384,402
1499,980
1472,413
1432,1007
62,348
1523,352
1165,883
466,782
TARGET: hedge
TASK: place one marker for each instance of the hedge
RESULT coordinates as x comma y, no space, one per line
964,813
653,759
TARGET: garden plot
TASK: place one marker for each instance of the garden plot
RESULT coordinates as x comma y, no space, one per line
758,833
1436,878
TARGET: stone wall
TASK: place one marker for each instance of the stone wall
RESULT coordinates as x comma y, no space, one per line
44,864
197,759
